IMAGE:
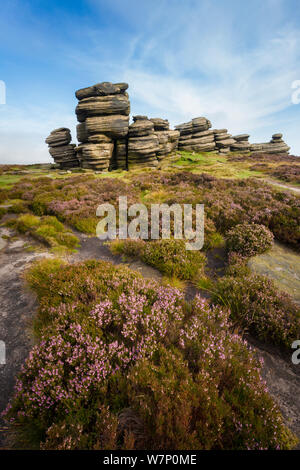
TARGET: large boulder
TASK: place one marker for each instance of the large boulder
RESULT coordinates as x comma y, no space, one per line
160,124
275,146
115,126
141,127
101,89
58,137
65,155
102,106
97,156
195,135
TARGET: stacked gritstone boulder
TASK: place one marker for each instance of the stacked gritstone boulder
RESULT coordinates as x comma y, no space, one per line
223,140
276,145
103,113
242,144
167,139
196,136
143,143
60,148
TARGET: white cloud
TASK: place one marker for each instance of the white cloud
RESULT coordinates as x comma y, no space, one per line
23,132
225,60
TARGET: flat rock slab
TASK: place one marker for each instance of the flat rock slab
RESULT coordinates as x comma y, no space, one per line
283,384
282,265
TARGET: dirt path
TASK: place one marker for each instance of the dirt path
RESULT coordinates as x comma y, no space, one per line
281,185
17,306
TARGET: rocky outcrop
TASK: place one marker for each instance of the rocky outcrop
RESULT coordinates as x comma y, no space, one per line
195,136
241,144
103,115
167,138
143,143
223,140
276,145
60,148
107,141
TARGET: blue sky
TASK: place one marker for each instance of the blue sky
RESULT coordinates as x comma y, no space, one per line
231,61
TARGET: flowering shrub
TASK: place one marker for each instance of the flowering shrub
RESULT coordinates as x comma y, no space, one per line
290,173
168,256
172,258
227,202
257,305
73,199
203,395
124,363
46,229
249,239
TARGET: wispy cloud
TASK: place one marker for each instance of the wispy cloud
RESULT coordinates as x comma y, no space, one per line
230,61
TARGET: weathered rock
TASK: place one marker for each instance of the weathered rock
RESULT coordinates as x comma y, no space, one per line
241,137
240,146
221,137
97,156
220,131
276,136
208,147
225,143
196,136
207,133
115,126
168,142
102,106
160,124
121,153
98,139
64,155
82,135
275,146
140,127
143,143
60,149
101,89
58,137
139,118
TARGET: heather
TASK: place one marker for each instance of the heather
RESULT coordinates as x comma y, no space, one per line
73,200
282,167
46,229
258,306
228,202
121,362
249,239
168,256
289,173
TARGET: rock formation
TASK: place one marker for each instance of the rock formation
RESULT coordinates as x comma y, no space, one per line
143,143
276,145
103,115
195,136
167,138
60,148
107,141
241,144
223,140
